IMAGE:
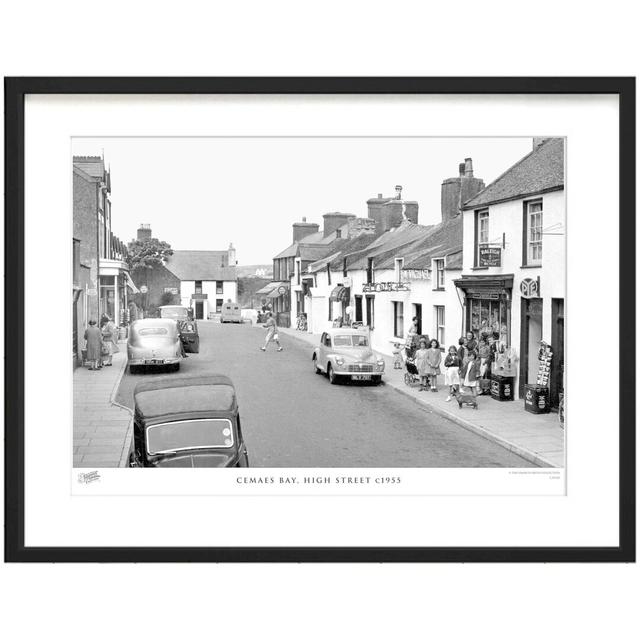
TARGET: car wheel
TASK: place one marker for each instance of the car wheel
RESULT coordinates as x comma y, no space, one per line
376,380
133,369
176,366
333,378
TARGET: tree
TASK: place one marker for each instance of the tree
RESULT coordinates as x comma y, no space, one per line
146,254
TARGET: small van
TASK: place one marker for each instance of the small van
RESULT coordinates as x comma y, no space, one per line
231,312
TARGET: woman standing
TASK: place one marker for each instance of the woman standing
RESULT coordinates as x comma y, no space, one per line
93,336
110,340
272,334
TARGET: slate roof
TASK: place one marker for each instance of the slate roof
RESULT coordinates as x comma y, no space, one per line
91,165
443,239
540,171
200,265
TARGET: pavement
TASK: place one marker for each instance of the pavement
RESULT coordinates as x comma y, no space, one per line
102,429
538,438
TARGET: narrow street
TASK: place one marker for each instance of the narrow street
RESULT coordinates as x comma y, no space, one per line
294,418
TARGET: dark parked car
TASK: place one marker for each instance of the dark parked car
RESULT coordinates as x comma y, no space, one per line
187,421
187,326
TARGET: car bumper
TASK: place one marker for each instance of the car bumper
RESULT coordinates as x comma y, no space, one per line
153,362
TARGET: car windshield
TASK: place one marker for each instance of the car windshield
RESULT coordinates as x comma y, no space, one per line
174,312
153,331
161,402
190,434
350,341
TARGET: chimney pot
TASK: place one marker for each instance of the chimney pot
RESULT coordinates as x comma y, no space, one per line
304,218
379,196
461,169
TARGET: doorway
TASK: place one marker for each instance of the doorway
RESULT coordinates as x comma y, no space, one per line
530,337
358,300
557,346
199,310
417,313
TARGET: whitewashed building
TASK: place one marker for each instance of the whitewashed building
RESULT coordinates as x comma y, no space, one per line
514,262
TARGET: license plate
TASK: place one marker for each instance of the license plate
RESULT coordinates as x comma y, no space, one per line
361,377
154,361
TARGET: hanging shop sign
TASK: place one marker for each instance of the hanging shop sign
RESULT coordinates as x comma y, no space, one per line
379,287
417,274
490,257
172,290
282,290
530,288
144,288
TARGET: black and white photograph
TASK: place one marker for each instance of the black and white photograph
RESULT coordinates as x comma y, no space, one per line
319,302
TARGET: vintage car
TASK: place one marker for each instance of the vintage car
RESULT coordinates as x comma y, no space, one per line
347,353
187,421
187,326
154,342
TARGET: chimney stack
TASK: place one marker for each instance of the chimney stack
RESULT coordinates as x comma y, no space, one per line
454,192
388,212
144,232
333,221
232,255
304,228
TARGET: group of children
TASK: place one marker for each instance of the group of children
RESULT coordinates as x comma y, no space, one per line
464,365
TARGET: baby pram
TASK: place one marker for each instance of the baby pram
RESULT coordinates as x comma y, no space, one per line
411,376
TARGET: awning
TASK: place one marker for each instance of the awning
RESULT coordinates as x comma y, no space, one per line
130,282
276,293
340,294
485,284
266,289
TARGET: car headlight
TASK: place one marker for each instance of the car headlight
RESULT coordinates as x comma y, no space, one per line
339,361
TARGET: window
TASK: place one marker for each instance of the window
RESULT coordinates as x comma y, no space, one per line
399,265
344,267
482,233
327,340
219,302
533,232
398,319
328,274
298,269
219,285
198,288
330,309
76,261
358,300
439,313
370,271
438,267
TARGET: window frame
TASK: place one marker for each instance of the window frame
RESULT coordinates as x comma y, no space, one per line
440,327
438,272
480,216
527,243
398,319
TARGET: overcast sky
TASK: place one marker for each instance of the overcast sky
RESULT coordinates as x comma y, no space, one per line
203,193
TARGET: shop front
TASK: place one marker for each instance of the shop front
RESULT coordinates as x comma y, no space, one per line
339,302
487,305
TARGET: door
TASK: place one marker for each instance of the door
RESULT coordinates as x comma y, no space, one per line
370,311
358,308
530,337
199,310
557,346
417,313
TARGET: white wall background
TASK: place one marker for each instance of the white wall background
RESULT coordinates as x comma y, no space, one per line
373,601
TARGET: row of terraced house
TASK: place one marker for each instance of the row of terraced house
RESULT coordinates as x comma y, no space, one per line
494,264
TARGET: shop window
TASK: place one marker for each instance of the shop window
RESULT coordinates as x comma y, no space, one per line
488,315
439,317
533,233
398,319
438,268
198,286
482,233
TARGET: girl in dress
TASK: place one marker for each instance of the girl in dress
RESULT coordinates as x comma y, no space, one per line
470,373
434,356
422,365
452,371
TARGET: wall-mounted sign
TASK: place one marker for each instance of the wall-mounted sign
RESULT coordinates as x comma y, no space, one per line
530,288
172,290
379,287
489,256
417,274
199,296
92,292
144,288
282,290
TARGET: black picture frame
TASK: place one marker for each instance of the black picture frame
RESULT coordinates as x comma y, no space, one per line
15,91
